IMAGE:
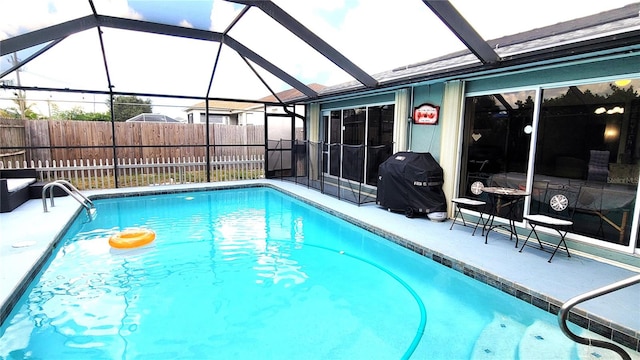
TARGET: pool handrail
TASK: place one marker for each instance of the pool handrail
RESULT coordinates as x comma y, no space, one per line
65,186
563,315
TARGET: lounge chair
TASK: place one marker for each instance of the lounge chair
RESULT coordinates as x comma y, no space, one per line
14,187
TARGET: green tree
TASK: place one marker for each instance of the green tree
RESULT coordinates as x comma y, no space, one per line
4,113
126,107
22,110
78,114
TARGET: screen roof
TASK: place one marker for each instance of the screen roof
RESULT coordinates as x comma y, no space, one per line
249,49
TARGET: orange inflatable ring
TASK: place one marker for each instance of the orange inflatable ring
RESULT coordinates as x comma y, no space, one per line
132,238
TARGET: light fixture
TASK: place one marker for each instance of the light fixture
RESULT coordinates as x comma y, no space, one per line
616,110
622,82
613,110
611,132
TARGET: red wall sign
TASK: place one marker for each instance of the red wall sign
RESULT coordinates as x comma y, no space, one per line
426,114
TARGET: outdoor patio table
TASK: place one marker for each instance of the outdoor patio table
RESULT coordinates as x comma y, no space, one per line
614,197
504,198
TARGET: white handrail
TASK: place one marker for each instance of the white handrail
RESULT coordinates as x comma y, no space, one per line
567,306
74,192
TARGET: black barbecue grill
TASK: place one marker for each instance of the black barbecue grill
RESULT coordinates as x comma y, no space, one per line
411,182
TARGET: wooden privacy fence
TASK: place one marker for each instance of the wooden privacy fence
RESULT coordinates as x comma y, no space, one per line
92,174
12,136
68,139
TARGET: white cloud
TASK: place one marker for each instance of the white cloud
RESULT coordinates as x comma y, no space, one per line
18,17
41,13
185,23
222,13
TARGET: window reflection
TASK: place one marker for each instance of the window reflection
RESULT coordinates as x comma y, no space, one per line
496,137
588,137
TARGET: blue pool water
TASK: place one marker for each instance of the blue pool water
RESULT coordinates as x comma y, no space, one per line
254,274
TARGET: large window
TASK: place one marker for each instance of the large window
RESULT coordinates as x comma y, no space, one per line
588,137
357,141
213,119
379,139
496,132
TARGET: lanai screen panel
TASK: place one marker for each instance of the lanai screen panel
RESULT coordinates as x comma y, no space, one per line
376,35
75,62
236,79
279,46
19,17
158,64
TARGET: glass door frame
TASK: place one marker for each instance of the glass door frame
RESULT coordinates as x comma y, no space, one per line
634,234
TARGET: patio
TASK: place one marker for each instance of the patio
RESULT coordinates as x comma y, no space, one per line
526,275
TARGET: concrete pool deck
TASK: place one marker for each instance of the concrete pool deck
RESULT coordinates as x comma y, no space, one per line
27,233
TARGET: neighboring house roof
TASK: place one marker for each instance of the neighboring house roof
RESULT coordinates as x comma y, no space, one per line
604,30
236,106
146,117
223,106
292,94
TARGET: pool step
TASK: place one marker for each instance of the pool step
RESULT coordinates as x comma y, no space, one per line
554,344
499,339
542,340
504,338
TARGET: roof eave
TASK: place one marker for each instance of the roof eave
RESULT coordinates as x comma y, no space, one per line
613,44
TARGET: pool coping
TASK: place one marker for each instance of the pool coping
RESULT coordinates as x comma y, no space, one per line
623,335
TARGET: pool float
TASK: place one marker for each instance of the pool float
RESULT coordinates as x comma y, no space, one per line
132,238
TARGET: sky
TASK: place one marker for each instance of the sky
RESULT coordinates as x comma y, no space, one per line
377,35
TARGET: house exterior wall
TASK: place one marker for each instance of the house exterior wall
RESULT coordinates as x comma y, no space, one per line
594,68
598,70
358,101
198,117
427,138
444,140
251,118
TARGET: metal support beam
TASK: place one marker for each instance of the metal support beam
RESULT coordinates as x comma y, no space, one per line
33,56
157,28
463,30
55,32
249,54
59,31
51,33
313,40
197,34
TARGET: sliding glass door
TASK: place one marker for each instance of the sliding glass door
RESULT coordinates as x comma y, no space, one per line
585,136
357,141
588,137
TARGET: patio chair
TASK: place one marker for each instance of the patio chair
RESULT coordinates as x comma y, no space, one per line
556,213
538,193
590,202
474,201
598,168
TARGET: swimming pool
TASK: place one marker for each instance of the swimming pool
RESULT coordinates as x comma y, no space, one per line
251,273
